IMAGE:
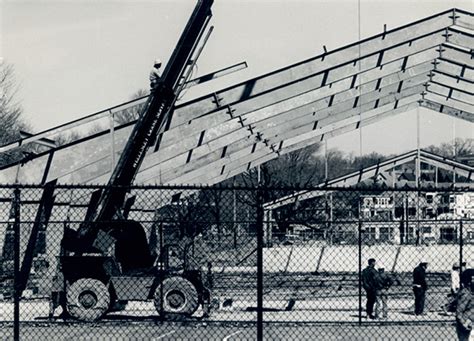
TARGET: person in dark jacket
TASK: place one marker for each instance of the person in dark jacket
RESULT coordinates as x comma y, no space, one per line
420,287
465,309
371,283
381,310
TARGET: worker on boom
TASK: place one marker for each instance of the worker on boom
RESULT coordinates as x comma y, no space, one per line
155,74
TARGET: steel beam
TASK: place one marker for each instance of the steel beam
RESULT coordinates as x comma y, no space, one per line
451,81
453,68
366,47
285,116
401,49
289,81
121,134
463,171
456,53
246,159
445,109
450,102
328,119
190,132
67,127
450,92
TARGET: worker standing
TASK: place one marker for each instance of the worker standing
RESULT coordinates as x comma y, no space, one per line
450,306
456,277
371,283
381,310
155,74
420,287
465,309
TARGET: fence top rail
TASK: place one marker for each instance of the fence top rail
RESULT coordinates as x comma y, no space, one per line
249,188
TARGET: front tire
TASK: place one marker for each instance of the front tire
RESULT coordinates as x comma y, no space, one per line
179,296
88,299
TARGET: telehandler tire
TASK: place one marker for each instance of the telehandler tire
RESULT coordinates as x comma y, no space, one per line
87,299
179,296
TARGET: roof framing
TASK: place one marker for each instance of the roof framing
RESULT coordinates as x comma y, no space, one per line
427,63
353,178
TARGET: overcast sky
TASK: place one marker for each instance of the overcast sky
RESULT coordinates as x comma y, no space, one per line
73,58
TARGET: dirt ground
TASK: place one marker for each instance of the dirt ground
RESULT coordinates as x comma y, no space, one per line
306,321
150,330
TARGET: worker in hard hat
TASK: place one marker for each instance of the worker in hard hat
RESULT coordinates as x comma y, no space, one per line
155,74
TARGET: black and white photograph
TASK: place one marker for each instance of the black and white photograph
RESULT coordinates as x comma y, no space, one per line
236,170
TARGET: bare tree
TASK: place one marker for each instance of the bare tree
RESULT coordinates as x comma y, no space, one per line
121,117
299,168
132,113
460,147
11,121
66,138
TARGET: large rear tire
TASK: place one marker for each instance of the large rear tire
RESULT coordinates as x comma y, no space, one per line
180,296
87,299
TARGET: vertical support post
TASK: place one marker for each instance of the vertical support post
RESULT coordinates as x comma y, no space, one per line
407,224
418,232
162,270
326,179
418,177
454,150
461,244
267,222
259,263
417,165
331,204
360,269
326,165
16,264
217,199
359,64
234,213
112,140
402,228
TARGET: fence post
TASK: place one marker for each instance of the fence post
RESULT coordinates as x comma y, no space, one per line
461,242
360,269
162,257
16,265
259,263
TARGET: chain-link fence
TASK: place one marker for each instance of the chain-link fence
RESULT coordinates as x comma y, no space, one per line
232,263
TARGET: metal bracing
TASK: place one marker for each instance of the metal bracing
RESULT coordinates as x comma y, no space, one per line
356,177
447,110
452,103
278,121
222,121
244,160
388,46
70,126
427,63
392,37
80,203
